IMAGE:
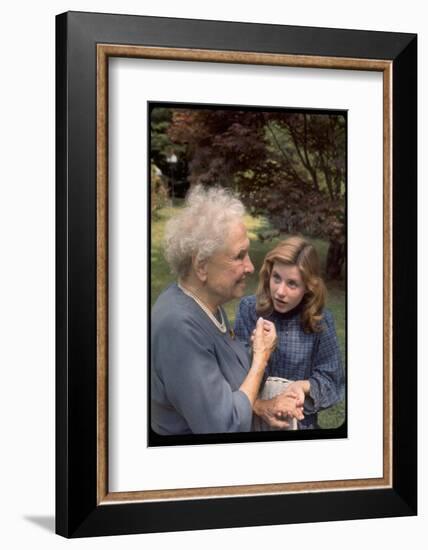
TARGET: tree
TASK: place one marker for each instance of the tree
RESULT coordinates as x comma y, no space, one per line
288,166
162,149
159,190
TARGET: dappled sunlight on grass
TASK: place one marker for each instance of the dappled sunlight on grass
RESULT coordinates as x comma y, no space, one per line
255,224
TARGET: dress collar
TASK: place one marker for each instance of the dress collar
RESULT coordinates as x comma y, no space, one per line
296,311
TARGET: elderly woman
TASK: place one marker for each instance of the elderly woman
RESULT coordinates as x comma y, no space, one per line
202,380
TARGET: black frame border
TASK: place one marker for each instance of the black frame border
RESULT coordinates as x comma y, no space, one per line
77,512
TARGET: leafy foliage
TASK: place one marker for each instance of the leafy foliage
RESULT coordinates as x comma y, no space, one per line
288,166
159,190
162,148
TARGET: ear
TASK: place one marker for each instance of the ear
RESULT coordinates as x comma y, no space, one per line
200,268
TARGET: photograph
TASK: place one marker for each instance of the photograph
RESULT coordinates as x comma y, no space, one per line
233,254
247,278
214,251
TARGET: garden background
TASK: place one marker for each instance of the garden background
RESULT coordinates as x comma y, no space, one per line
289,169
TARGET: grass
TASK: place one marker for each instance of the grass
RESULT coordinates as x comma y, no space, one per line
161,278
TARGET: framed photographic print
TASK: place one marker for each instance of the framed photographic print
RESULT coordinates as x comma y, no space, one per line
315,131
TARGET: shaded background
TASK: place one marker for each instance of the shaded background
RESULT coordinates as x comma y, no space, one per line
288,167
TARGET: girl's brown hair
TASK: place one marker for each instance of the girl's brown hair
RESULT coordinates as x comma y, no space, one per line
295,251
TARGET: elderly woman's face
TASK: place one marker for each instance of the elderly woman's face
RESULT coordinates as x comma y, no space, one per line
228,268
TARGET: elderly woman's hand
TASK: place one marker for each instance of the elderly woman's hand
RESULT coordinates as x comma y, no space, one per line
278,411
300,388
288,403
269,334
264,341
264,338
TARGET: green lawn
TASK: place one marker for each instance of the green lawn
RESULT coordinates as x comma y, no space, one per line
161,277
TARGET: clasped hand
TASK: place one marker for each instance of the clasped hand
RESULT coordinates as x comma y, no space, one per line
264,337
279,410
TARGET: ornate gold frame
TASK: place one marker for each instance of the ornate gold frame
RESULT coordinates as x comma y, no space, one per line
104,52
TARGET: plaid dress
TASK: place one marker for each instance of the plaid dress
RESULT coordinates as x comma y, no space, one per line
300,356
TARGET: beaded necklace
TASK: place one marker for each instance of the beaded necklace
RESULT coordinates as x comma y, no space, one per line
220,325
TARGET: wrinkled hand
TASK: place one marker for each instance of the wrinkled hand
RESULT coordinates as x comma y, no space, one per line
278,411
288,404
267,331
296,388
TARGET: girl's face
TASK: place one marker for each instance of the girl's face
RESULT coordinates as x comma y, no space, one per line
286,287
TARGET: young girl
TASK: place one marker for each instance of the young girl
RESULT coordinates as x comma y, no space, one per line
291,293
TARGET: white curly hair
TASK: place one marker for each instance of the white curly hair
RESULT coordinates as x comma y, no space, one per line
200,229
